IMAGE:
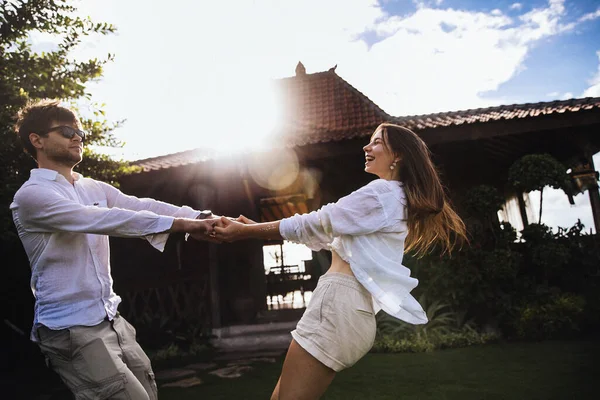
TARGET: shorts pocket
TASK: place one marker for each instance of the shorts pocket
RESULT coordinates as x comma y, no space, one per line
325,301
365,319
364,312
362,304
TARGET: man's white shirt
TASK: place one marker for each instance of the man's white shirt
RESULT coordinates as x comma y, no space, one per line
64,229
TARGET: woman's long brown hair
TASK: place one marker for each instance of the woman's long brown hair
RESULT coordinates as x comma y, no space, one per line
431,218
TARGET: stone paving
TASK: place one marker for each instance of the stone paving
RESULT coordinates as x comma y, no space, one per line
226,366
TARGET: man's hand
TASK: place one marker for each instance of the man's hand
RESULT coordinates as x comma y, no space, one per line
203,229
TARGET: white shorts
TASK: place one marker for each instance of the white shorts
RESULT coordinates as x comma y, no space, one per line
338,327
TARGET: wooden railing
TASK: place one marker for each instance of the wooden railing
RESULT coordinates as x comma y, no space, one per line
178,297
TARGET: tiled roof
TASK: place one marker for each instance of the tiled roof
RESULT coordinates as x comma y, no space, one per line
319,107
505,112
174,160
323,107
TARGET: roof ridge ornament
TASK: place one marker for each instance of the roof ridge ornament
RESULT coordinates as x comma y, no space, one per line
300,70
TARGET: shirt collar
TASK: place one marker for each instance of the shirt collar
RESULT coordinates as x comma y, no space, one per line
51,174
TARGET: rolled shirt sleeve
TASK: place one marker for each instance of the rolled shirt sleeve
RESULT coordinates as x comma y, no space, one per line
116,198
360,213
43,210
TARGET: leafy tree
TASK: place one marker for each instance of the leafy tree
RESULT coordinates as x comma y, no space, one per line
27,75
481,205
535,172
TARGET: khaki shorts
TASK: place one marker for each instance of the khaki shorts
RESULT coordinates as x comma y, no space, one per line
338,327
100,362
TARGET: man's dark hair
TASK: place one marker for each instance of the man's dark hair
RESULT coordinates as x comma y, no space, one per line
37,117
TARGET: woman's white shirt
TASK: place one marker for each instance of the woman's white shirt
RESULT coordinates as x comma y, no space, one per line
367,229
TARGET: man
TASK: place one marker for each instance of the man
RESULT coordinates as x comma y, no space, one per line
64,221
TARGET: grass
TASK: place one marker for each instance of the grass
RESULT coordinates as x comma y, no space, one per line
544,371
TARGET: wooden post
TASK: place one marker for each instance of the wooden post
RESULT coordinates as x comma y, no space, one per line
204,196
215,299
595,200
587,151
522,208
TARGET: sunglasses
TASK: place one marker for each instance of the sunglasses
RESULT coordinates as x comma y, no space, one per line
66,131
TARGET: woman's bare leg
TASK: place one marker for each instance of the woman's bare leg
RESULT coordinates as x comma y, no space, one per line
275,395
303,377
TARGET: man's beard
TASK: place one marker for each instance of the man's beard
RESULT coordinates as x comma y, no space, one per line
64,157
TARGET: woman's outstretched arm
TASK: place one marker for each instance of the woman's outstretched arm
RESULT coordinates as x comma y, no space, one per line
361,212
230,231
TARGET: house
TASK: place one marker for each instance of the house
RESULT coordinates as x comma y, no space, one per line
317,159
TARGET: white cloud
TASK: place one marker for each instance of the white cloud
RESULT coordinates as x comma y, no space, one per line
516,6
590,16
559,96
192,74
427,68
594,89
567,96
542,22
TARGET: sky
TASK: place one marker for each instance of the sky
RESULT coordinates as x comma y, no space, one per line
195,73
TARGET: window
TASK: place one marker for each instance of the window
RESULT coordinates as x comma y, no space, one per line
290,276
511,212
286,257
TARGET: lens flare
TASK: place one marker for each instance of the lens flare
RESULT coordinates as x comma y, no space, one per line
275,170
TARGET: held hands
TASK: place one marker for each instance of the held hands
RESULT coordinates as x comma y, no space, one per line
203,229
219,230
230,230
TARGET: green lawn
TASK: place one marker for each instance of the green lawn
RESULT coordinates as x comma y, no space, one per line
545,371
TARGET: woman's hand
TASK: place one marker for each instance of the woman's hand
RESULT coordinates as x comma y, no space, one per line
244,220
228,230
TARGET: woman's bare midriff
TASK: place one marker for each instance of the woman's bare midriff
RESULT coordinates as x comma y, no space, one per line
339,265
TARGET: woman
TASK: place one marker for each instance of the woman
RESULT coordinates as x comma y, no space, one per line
367,232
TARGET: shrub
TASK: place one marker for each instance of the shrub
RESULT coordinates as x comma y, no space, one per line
168,352
445,329
557,317
411,344
535,172
415,343
464,339
482,201
536,233
441,320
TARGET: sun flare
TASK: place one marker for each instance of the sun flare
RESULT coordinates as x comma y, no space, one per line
250,116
